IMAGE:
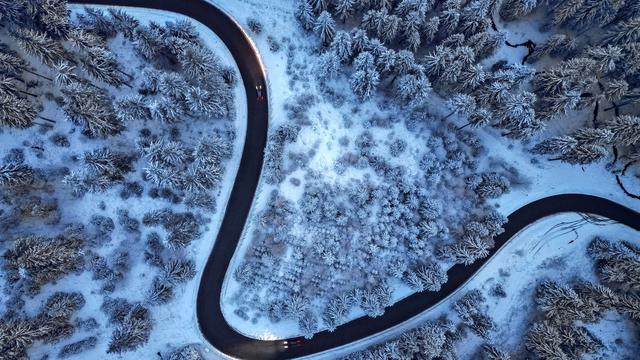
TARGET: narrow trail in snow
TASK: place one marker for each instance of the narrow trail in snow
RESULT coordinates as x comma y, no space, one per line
210,318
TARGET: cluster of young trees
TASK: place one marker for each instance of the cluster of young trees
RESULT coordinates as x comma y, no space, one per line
37,260
432,340
565,306
133,324
102,169
470,311
182,228
53,322
172,164
341,237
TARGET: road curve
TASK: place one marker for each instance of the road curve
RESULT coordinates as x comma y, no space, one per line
212,323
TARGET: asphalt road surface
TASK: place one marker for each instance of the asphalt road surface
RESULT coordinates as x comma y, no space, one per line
212,323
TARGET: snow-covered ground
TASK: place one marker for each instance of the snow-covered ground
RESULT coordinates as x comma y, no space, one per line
543,250
553,248
175,324
540,177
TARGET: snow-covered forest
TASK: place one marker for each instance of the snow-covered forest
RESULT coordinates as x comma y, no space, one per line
401,135
591,315
587,64
343,229
114,158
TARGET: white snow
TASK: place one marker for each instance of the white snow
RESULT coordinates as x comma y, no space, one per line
553,248
175,324
543,178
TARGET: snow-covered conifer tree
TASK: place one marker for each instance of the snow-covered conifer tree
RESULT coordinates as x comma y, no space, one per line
430,28
102,65
344,9
92,108
325,26
625,32
203,102
124,23
132,108
12,175
198,62
328,65
413,89
341,46
16,112
359,40
305,15
625,129
511,10
461,104
410,28
39,45
365,82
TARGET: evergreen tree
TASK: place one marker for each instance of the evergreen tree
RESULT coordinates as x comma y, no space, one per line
39,45
410,28
344,9
473,18
91,108
124,23
413,89
625,32
54,15
559,144
65,74
511,10
431,28
132,331
625,129
327,66
325,27
16,112
132,108
44,260
566,11
13,175
585,154
342,47
386,61
359,40
17,335
462,104
389,28
304,14
491,352
205,103
365,82
198,63
102,65
95,20
319,5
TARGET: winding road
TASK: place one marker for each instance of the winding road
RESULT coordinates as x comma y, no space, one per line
211,320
